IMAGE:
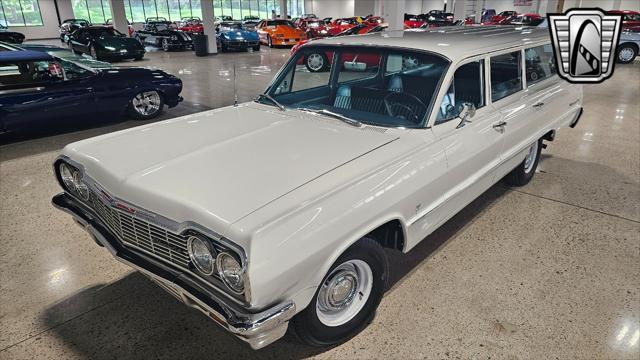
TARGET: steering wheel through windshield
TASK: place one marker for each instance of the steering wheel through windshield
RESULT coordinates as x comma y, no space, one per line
404,105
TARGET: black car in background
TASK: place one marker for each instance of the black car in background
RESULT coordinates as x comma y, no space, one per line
12,37
161,33
105,43
70,25
38,90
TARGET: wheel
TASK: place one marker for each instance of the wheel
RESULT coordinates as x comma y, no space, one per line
347,298
257,47
94,53
626,53
316,62
165,44
269,42
146,105
533,76
523,173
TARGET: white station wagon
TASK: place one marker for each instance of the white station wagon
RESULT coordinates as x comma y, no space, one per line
278,212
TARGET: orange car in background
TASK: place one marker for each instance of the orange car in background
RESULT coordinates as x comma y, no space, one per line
279,32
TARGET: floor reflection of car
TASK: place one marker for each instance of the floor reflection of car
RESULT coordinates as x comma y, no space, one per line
233,36
628,46
282,213
13,37
70,25
523,19
279,32
34,81
163,34
105,43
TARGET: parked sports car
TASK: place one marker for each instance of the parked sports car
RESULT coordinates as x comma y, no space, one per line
191,25
412,21
13,37
131,31
279,32
70,25
161,33
105,43
630,18
496,19
313,27
339,25
33,81
250,22
628,46
233,36
437,16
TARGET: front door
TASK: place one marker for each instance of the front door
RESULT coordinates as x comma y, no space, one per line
472,148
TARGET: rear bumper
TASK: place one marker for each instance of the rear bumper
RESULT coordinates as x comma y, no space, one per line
258,329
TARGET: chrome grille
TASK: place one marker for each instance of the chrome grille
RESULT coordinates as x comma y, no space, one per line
142,234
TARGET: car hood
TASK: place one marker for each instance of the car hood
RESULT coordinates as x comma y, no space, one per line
235,34
119,42
218,166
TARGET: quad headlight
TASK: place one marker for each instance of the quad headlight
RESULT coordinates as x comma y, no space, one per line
72,180
231,271
202,254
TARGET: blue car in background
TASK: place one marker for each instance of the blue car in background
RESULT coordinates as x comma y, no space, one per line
233,36
37,89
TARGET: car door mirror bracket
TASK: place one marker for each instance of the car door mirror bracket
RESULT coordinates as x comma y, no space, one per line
467,112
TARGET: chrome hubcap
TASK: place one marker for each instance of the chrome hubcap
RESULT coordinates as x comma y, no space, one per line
165,44
531,158
315,62
626,54
146,103
344,293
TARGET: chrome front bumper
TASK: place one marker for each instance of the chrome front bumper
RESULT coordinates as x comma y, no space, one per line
258,329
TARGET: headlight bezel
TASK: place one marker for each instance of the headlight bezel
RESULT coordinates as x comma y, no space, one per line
239,290
73,181
212,252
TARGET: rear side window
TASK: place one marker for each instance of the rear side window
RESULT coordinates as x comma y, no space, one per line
540,63
506,75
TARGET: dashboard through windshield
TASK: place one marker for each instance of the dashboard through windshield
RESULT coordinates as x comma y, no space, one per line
371,85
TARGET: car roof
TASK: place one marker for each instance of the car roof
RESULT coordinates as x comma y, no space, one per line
454,42
26,55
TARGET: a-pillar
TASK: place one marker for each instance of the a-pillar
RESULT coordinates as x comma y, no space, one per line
119,16
208,21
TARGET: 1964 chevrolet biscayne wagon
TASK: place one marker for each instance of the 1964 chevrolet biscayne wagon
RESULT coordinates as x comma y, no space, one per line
276,212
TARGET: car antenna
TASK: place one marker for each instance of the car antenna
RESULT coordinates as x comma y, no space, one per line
235,85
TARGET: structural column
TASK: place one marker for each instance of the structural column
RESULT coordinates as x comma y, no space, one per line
208,21
459,9
119,16
283,9
392,11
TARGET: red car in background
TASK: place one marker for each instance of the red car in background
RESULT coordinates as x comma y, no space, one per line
191,25
412,21
496,19
339,25
630,18
374,20
313,27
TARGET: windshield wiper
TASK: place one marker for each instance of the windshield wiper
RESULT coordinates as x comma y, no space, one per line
270,98
334,115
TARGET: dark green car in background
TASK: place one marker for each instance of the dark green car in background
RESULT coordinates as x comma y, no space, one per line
105,43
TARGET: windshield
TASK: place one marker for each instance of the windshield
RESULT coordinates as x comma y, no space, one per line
280,23
230,26
372,85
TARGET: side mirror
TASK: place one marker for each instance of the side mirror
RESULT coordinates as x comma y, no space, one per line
467,112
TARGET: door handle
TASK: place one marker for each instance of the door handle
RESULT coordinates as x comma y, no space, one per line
500,126
538,105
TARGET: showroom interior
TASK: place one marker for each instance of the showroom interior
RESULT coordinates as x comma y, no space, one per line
550,269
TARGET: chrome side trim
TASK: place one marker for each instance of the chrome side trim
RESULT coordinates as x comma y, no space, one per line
20,91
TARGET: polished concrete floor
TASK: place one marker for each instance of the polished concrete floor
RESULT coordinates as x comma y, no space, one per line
549,270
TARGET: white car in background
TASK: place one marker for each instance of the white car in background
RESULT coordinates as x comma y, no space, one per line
278,212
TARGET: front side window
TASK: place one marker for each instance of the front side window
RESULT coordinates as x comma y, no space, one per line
540,63
506,76
467,86
30,73
376,86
